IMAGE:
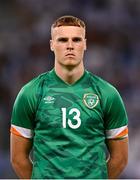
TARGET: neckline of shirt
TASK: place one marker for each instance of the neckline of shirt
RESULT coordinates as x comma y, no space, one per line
67,84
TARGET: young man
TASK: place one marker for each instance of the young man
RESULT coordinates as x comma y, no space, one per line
68,117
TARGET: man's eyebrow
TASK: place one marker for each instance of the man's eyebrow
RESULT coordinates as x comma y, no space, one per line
77,39
62,39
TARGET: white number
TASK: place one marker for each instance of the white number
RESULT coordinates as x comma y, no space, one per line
76,117
63,117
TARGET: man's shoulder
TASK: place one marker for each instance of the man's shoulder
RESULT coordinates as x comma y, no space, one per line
99,81
101,84
34,84
37,80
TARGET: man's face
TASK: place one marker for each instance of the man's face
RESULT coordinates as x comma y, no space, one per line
68,44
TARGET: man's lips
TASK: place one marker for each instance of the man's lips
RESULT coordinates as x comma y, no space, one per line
70,54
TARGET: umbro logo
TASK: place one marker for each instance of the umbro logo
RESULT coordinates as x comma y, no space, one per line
49,99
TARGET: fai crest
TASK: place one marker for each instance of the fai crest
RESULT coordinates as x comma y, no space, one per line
90,100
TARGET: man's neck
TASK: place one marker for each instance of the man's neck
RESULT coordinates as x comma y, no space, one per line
69,75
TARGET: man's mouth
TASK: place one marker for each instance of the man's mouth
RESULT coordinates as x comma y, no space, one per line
70,54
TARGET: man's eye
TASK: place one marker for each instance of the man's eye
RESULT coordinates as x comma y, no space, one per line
62,40
77,39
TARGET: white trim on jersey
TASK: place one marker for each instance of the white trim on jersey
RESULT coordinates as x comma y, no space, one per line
24,132
121,132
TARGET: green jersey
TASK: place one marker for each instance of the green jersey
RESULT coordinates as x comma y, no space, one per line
69,125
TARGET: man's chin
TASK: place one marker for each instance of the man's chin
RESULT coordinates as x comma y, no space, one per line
71,66
71,63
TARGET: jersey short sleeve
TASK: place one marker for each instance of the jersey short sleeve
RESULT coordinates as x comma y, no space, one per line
23,114
116,121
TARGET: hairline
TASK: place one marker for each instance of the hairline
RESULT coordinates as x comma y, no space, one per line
68,21
53,28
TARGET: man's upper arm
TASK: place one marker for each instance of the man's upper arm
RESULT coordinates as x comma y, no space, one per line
118,148
115,116
118,157
24,111
20,147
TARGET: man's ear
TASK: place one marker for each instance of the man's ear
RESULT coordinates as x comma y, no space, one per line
51,45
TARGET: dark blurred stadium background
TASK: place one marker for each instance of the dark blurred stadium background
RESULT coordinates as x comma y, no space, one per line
113,33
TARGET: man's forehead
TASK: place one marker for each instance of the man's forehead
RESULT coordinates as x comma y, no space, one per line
68,31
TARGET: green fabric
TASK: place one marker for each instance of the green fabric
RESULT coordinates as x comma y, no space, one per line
69,124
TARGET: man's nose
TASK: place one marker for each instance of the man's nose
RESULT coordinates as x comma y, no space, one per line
70,45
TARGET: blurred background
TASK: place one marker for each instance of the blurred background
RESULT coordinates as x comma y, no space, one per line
113,38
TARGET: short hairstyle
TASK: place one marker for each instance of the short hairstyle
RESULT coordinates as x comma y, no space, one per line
68,20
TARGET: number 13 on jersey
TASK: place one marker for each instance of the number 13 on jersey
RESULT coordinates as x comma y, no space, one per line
76,116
